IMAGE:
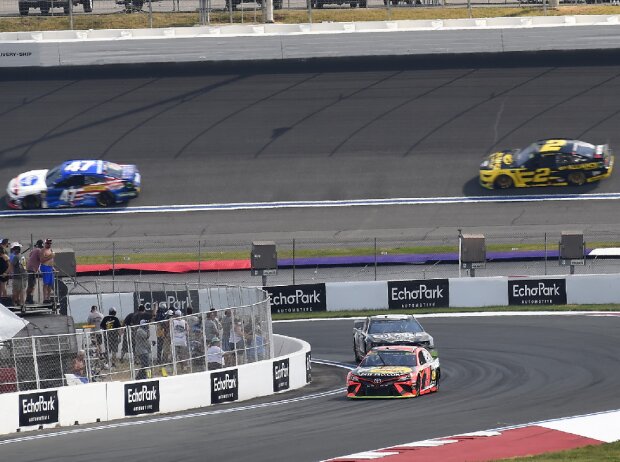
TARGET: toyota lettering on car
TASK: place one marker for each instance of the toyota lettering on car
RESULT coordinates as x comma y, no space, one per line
394,372
549,162
75,183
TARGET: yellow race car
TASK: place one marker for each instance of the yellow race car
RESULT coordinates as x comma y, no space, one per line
551,162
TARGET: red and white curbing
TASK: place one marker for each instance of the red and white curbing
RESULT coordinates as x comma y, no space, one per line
531,439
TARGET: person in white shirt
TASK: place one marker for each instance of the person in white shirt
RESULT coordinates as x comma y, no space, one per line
215,355
180,332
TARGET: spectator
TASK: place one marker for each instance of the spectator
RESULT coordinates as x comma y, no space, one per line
163,334
226,328
192,320
236,340
47,270
213,328
18,273
255,343
34,261
4,266
215,355
94,317
79,364
142,348
111,325
127,325
180,331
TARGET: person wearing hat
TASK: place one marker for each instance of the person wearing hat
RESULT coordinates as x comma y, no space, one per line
4,266
215,355
110,324
34,261
47,270
18,273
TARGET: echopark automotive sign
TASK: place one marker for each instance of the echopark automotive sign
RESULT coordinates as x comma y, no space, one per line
537,292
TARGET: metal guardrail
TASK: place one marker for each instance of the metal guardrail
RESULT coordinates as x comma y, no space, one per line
146,347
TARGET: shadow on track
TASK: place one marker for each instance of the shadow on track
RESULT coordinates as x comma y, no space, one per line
473,189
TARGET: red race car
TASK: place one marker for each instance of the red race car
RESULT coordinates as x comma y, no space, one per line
394,372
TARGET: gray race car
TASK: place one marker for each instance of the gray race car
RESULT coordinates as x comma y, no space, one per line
389,329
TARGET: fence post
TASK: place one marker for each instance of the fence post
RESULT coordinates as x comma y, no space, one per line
15,364
199,261
173,352
293,261
88,360
132,366
62,369
375,258
35,361
113,263
204,339
545,253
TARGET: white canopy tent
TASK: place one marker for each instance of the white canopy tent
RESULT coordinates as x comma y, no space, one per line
10,323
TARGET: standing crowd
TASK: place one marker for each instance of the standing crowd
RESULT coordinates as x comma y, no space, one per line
23,273
162,338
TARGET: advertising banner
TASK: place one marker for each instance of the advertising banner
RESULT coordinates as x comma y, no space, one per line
224,386
281,375
38,408
142,398
176,300
297,299
424,293
537,292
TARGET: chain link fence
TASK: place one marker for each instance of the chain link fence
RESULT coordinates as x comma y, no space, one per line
153,343
244,11
427,255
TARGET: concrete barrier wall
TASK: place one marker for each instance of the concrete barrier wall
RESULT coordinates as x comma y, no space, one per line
587,289
300,41
471,292
356,295
101,402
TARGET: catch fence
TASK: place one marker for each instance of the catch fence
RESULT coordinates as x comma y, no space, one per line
160,341
427,254
152,13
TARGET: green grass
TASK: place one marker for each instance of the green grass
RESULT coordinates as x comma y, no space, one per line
361,313
141,20
599,453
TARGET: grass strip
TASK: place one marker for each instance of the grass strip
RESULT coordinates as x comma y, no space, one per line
165,257
416,311
120,20
600,453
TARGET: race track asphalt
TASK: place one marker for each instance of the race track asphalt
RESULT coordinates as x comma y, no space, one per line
497,371
314,130
378,128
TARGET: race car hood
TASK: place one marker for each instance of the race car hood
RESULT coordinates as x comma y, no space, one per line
382,371
499,160
32,182
400,337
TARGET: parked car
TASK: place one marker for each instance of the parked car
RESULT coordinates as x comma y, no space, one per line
46,5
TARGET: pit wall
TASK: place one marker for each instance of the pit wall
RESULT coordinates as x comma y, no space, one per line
303,41
446,293
102,402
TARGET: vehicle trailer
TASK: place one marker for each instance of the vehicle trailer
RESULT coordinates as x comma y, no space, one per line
46,5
